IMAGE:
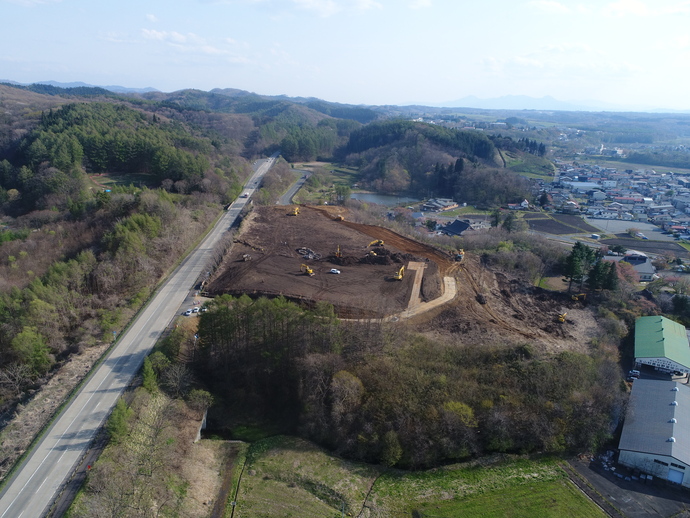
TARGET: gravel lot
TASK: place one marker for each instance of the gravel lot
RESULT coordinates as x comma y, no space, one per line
612,226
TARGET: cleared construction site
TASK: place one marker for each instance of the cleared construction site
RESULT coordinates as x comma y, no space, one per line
315,254
312,255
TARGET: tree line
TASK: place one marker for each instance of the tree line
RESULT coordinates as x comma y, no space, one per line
387,395
51,307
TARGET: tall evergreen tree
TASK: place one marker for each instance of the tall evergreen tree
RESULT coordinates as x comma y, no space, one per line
611,279
578,263
597,275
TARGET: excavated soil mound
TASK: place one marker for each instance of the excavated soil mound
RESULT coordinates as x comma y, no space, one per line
493,308
279,244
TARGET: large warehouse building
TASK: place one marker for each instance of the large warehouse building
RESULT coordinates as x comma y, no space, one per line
656,433
662,343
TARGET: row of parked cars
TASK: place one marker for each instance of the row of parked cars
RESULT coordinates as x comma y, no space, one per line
633,375
191,311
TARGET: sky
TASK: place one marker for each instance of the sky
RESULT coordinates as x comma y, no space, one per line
632,53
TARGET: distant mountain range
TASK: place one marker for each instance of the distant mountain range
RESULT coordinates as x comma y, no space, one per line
78,84
506,102
547,103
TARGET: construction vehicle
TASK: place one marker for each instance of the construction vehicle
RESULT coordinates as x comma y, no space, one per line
338,252
561,317
372,253
307,270
246,257
376,242
580,296
339,218
399,275
460,255
295,211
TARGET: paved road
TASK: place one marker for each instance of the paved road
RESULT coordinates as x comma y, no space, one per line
286,199
34,486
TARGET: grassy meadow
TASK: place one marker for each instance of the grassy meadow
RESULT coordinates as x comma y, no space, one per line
290,477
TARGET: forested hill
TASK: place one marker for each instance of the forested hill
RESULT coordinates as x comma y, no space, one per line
302,129
360,114
48,166
398,156
463,143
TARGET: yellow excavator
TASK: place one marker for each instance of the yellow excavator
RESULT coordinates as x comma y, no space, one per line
460,255
561,317
339,218
338,252
399,275
376,242
295,211
580,296
307,270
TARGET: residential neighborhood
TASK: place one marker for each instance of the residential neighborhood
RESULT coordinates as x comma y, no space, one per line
644,195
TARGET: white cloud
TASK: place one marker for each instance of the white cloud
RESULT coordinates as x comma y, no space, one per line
561,61
194,44
365,5
323,8
674,44
564,48
151,18
583,9
641,9
326,8
549,6
173,37
116,37
32,3
627,8
679,8
420,4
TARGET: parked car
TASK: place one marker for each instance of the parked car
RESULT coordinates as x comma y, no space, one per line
188,312
195,310
334,270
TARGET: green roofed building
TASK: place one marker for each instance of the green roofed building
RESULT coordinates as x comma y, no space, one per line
662,343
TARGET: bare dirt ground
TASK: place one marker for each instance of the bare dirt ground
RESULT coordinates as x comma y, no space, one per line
490,307
493,308
648,246
364,288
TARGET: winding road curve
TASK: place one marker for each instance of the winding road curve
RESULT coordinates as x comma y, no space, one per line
35,484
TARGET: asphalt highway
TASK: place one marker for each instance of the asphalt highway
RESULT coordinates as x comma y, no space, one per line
286,199
36,483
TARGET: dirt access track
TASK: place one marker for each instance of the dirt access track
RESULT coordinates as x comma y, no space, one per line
267,259
488,306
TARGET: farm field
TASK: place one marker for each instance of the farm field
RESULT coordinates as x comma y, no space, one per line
547,499
108,181
648,246
558,224
286,476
